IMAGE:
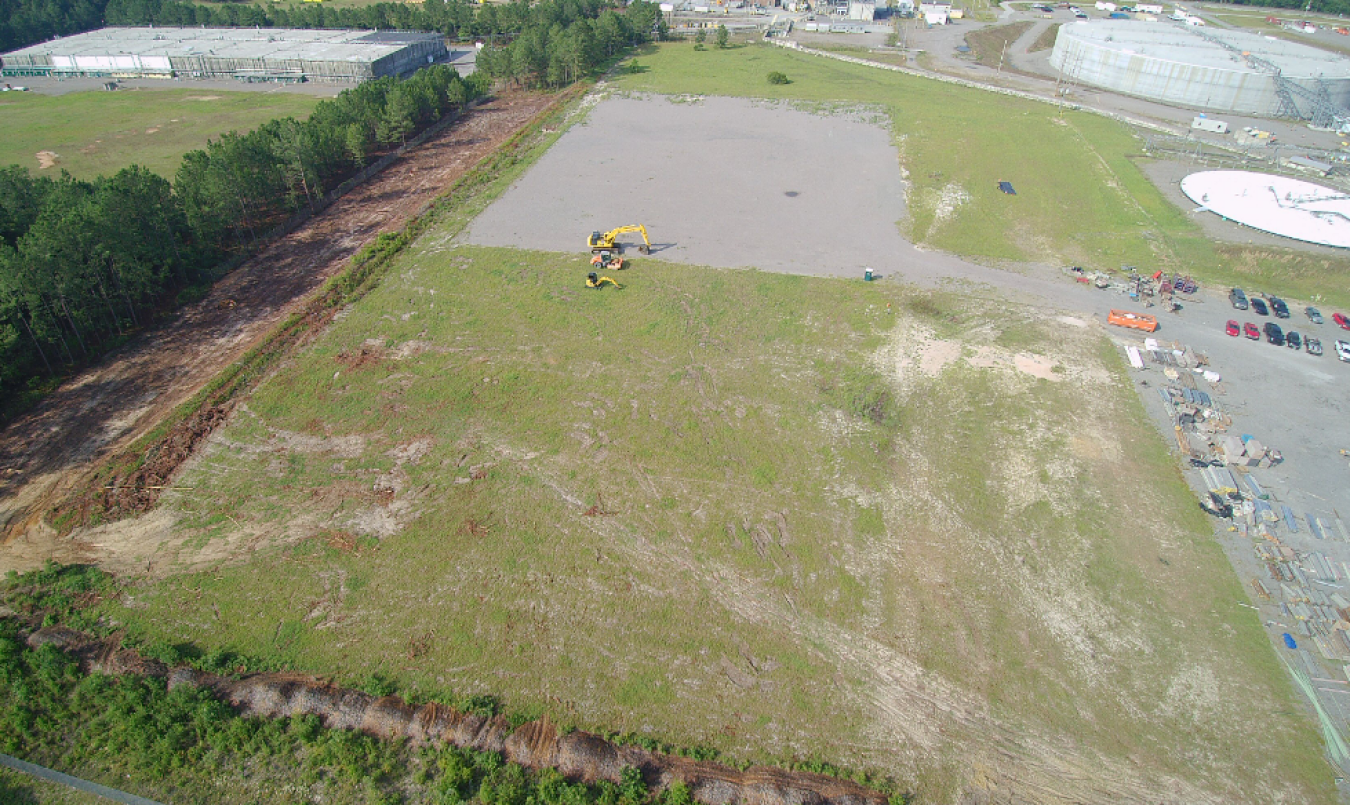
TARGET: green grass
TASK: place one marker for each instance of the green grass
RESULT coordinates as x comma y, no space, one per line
1081,199
987,44
97,133
669,509
1046,40
20,789
723,508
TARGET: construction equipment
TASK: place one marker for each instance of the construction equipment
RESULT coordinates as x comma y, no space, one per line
597,282
606,241
1138,321
608,261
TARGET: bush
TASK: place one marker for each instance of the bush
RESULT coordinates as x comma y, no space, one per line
778,78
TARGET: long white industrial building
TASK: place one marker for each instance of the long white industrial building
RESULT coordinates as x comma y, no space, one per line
246,54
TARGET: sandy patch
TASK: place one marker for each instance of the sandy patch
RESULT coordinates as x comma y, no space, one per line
945,203
1036,366
1072,321
203,98
152,130
46,159
936,354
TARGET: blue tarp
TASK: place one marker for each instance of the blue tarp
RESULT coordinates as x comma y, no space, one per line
1007,187
1289,640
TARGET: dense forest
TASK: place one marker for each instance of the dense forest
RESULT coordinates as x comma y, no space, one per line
85,264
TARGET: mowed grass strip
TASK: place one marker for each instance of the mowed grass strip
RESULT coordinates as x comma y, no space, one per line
1081,200
727,508
99,133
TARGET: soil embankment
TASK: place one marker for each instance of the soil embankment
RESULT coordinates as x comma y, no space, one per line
579,756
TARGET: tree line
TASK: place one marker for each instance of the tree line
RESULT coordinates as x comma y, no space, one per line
83,264
567,43
456,19
25,22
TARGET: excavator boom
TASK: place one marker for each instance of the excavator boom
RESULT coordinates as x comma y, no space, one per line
600,241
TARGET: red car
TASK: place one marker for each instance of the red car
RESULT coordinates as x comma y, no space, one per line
1342,320
1232,328
1251,332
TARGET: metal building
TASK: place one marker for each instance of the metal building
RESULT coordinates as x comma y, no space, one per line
1200,68
246,54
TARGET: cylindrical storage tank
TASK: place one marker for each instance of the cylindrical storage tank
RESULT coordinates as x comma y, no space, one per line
1182,65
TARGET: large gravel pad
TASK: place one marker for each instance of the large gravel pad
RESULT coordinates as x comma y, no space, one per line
717,181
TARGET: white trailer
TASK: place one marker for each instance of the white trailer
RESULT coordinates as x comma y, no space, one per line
1203,123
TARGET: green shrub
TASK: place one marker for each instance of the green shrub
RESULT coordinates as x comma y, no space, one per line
776,77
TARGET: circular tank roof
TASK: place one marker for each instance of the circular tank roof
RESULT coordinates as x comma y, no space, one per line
1185,44
1288,207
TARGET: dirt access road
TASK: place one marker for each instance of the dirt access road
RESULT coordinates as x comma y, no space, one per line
47,452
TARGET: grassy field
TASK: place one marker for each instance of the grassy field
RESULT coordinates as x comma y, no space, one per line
95,133
785,517
731,509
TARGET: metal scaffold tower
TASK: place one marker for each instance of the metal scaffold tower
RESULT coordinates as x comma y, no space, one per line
1317,106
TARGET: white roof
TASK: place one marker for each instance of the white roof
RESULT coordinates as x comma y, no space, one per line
1288,207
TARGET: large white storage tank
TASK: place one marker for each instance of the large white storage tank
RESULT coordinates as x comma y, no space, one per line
1184,66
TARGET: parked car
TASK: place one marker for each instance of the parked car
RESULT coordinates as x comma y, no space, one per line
1251,332
1259,307
1341,320
1343,350
1293,340
1238,299
1279,308
1232,328
1312,346
1314,315
1274,334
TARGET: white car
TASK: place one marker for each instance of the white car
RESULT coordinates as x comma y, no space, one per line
1343,350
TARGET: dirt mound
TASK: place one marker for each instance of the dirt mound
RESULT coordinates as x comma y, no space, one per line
579,756
138,490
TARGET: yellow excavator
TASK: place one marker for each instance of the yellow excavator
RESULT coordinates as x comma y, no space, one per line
606,241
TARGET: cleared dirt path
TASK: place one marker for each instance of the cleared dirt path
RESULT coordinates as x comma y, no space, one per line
47,452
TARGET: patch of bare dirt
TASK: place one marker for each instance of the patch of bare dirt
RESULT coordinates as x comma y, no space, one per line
46,159
55,446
